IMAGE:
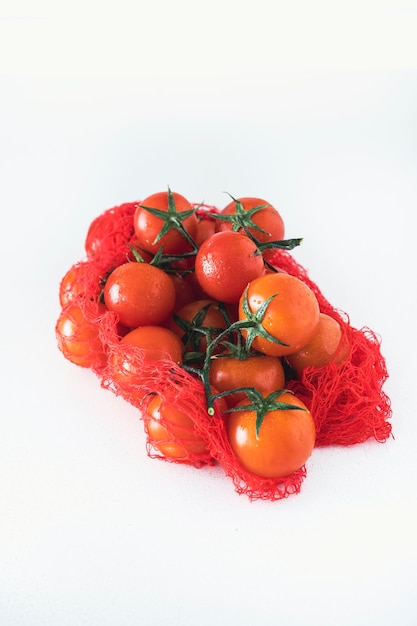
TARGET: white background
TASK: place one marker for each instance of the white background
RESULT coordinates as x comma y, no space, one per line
309,105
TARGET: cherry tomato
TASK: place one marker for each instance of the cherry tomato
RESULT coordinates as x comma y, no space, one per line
291,316
323,348
157,341
135,244
225,263
141,294
205,228
148,226
171,430
286,437
78,338
72,284
268,219
184,292
264,373
196,315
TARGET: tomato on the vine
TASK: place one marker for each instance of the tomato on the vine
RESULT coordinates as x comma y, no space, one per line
264,373
285,439
78,338
140,294
287,309
326,346
197,323
225,263
165,219
255,216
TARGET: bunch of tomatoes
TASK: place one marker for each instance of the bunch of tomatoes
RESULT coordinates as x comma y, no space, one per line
198,288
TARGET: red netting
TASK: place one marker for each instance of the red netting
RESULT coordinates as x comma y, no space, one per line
347,400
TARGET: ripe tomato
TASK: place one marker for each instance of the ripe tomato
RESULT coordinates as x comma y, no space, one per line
184,292
291,316
171,431
141,294
197,315
323,348
264,373
72,284
268,219
135,244
168,207
157,341
225,263
78,338
286,437
205,228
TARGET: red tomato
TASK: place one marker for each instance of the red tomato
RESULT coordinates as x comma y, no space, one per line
158,342
169,206
72,284
225,263
140,294
286,437
78,338
291,316
171,430
205,228
323,348
268,219
184,292
264,373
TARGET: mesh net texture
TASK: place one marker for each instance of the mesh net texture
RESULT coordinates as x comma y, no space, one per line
347,401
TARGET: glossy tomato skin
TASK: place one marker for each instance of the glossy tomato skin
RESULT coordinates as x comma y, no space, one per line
268,219
147,226
158,342
291,317
72,284
326,346
264,373
184,293
206,228
285,442
171,430
78,338
140,294
155,343
225,263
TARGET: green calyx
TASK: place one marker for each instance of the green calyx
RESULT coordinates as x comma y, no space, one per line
252,324
172,219
194,331
241,218
262,405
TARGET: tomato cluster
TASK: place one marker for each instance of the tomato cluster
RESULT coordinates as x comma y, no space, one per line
198,288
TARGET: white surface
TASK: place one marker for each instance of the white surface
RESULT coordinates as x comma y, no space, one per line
313,110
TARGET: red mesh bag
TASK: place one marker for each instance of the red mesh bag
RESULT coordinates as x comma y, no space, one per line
347,401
